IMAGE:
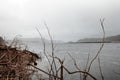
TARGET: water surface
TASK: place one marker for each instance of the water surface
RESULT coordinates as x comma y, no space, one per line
109,58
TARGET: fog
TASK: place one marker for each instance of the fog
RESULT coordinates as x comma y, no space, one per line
67,20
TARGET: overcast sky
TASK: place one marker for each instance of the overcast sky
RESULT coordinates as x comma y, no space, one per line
68,20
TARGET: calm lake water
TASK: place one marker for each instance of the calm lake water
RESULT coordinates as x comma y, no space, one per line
109,58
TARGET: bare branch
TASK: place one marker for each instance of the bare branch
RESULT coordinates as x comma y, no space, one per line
74,61
87,62
100,69
44,71
52,45
80,72
103,39
75,64
44,45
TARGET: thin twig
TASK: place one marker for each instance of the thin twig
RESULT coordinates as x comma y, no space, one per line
103,40
44,45
84,75
87,62
100,69
44,51
75,64
43,71
52,45
79,72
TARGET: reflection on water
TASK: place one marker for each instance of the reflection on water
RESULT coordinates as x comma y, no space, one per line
109,56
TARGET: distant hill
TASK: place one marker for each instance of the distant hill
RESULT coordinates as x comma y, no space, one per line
114,38
39,40
97,40
35,40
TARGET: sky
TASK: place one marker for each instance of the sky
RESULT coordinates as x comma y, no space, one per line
67,20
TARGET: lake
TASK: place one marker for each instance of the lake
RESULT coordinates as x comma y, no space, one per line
109,58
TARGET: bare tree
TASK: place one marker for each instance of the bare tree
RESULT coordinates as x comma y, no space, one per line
56,72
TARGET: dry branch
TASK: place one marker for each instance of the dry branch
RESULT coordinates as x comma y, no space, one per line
102,44
100,69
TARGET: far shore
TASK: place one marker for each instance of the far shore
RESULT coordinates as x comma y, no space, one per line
93,42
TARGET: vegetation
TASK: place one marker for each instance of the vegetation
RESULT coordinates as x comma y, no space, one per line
57,68
23,60
14,62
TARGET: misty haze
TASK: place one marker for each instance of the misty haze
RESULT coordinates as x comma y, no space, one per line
59,39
